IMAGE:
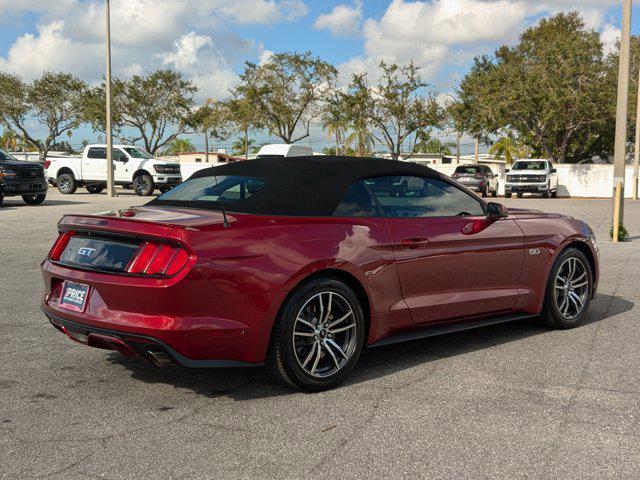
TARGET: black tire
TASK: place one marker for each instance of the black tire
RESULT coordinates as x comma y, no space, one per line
519,194
95,187
284,360
507,194
494,193
546,193
485,191
34,199
554,194
66,183
1,199
143,185
552,314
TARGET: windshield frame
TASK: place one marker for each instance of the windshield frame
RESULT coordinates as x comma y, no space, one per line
9,157
146,155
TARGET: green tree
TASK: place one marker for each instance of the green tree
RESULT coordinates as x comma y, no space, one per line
398,105
335,119
242,146
9,140
553,89
425,143
178,146
211,119
508,148
53,101
157,108
287,91
244,117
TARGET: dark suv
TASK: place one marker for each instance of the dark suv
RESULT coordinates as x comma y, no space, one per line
25,179
477,177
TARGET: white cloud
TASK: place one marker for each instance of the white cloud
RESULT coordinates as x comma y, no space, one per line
145,34
265,56
343,20
610,36
438,33
187,48
197,57
50,49
263,11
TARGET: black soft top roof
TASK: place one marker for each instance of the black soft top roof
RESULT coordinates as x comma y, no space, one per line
301,186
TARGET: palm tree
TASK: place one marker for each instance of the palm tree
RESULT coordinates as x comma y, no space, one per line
242,146
508,148
178,146
334,120
363,139
9,140
426,144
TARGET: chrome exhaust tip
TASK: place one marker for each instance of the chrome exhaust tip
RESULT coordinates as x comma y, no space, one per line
159,358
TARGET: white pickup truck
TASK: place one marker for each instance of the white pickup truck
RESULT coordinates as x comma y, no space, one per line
133,167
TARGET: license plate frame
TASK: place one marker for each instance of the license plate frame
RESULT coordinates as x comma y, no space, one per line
73,296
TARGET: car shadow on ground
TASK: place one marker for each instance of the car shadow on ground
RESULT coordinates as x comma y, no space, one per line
251,383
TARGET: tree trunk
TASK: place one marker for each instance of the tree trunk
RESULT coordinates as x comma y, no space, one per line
206,146
246,144
337,148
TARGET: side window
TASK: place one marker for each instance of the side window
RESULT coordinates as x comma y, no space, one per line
357,202
97,152
408,196
119,155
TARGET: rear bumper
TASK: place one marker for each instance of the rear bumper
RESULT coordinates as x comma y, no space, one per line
475,184
194,323
146,347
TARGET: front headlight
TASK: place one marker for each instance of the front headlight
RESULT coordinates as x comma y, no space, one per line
4,173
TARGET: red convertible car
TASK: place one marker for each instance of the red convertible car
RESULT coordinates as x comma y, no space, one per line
302,263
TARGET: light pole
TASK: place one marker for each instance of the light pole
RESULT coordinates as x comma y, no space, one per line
636,149
111,191
620,151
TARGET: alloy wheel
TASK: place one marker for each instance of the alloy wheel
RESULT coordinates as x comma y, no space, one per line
571,288
324,334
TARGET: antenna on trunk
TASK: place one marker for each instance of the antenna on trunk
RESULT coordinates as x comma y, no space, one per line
225,222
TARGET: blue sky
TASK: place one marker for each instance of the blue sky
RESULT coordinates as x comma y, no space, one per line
209,40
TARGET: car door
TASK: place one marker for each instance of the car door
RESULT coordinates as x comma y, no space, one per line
121,162
452,261
94,164
493,178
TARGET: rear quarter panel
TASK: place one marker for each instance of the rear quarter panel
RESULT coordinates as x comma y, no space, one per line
253,265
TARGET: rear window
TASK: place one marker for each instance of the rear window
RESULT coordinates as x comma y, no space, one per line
469,169
233,188
530,166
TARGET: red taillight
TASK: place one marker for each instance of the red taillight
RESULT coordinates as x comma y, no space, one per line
158,259
47,164
59,245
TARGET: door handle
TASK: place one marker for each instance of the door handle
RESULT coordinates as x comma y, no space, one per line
412,243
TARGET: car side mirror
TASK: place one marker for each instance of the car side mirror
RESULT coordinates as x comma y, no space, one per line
507,170
496,211
554,170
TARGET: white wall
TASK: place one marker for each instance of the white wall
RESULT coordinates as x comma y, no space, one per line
189,168
574,180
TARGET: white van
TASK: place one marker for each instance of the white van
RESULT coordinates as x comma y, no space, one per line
282,150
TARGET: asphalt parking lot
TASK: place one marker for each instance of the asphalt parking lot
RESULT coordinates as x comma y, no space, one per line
508,401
